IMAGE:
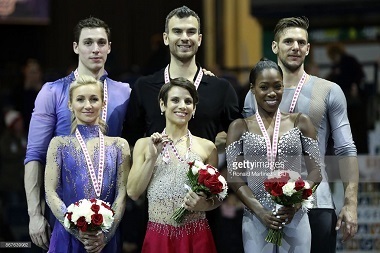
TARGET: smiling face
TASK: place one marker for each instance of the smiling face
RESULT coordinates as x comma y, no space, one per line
268,89
291,48
183,37
179,106
93,48
86,103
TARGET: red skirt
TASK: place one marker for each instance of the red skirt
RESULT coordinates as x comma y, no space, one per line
193,237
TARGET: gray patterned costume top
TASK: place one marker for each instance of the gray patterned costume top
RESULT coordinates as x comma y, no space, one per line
252,148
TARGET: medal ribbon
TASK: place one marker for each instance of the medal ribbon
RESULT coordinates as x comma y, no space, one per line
197,80
297,92
166,156
271,149
96,182
105,99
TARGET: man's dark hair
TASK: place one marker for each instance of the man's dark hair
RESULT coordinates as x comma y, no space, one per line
298,22
182,12
90,22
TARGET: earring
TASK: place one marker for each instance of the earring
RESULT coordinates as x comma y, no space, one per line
162,113
193,114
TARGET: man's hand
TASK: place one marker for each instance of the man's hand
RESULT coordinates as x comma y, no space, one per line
207,72
39,231
348,217
348,221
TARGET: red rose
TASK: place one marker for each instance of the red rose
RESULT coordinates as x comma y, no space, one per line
307,193
268,184
202,176
97,219
82,224
214,184
276,190
95,208
299,184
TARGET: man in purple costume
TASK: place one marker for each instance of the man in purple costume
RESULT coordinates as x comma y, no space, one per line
51,116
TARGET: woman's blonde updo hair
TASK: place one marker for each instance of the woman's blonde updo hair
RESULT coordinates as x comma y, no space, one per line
80,81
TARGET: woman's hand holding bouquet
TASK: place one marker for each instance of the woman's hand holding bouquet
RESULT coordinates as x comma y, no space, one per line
205,183
290,192
91,217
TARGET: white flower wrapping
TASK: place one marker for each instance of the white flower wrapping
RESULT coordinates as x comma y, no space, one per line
307,203
83,208
222,195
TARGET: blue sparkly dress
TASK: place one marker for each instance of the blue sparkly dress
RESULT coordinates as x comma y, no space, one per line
65,158
291,147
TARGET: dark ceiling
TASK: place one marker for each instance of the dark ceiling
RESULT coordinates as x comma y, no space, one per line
321,13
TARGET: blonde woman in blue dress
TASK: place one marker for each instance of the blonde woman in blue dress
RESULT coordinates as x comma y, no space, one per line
70,177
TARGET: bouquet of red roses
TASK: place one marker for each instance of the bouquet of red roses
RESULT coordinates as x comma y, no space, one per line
287,188
93,214
203,178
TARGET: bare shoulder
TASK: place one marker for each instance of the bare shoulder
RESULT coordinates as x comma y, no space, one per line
301,119
239,124
237,128
141,143
297,118
203,147
204,142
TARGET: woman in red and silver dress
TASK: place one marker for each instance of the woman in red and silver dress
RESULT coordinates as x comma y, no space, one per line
160,165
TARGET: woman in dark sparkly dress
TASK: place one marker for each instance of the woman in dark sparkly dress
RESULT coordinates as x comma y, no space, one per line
70,177
268,141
